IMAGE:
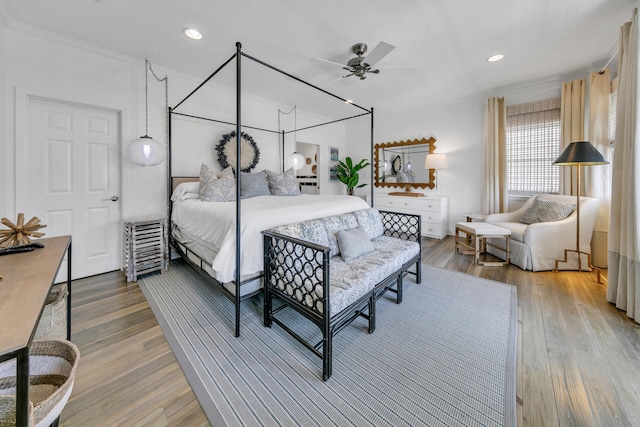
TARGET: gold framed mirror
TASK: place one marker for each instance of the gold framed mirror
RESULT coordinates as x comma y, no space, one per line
401,164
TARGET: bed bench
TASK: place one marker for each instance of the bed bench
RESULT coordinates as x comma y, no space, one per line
310,267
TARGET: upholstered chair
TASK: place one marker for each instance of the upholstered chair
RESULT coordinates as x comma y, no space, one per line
537,245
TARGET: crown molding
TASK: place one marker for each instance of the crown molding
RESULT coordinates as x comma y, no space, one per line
38,32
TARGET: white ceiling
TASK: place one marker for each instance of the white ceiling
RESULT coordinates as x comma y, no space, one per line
448,40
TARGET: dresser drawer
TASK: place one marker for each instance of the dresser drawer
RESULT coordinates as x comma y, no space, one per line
431,217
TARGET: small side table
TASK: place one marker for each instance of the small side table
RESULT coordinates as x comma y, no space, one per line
144,246
478,234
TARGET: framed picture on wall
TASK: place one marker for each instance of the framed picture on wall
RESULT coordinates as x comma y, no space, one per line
333,174
334,154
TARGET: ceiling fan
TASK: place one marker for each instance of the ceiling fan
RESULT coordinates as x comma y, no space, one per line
361,65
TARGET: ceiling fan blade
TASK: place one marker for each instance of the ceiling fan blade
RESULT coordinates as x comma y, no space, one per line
327,62
398,67
379,52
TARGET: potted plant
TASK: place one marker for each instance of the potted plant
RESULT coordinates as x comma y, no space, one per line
347,173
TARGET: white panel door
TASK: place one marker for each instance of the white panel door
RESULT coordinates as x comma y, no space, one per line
74,183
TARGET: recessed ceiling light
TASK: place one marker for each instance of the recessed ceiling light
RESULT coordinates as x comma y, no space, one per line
192,33
495,58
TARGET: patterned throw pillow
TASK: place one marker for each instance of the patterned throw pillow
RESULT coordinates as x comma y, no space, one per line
254,184
217,188
371,220
336,223
547,211
283,184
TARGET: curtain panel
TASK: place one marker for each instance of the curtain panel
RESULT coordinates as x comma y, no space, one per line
571,128
495,198
624,238
598,179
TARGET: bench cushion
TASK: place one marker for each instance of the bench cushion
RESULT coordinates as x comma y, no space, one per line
371,220
311,231
352,280
336,223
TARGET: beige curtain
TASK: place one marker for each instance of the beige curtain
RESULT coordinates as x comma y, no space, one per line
598,178
624,228
495,198
571,127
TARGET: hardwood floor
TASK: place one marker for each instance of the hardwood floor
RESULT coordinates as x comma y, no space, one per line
578,361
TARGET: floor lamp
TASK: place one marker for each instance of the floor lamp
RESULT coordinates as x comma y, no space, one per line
436,161
579,154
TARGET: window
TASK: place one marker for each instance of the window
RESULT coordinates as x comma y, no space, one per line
533,143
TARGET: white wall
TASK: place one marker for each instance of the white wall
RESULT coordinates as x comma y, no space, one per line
5,161
35,64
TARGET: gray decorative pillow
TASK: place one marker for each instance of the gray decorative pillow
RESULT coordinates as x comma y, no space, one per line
283,184
547,211
254,184
217,188
354,243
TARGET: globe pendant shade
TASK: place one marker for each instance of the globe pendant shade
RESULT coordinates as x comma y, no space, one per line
297,161
146,151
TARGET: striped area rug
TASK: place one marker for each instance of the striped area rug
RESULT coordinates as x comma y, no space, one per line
444,357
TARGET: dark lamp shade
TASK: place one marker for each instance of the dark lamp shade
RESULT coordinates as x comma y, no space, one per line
581,152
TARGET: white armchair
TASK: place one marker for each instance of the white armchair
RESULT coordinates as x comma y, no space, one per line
536,246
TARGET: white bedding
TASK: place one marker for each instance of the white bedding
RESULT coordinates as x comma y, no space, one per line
212,224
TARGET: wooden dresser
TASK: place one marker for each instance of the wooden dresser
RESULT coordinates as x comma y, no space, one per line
433,209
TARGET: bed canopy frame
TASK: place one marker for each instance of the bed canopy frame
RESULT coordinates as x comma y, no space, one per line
238,56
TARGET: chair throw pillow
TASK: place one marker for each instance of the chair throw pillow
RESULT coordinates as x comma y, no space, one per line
354,243
254,184
217,188
283,184
547,211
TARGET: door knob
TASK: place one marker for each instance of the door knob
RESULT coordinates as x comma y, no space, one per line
112,198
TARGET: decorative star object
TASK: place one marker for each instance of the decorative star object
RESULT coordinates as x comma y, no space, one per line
21,233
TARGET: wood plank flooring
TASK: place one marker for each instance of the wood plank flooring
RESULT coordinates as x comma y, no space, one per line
578,360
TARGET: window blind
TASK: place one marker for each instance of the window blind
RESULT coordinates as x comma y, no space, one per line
533,143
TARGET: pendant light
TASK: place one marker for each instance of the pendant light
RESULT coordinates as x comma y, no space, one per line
146,151
297,160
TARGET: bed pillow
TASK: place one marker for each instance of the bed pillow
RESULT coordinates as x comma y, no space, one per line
254,184
283,184
354,243
217,188
547,211
186,190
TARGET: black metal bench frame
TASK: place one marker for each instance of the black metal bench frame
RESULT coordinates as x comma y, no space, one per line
306,261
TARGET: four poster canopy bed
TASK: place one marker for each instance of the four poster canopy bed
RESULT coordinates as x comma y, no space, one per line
217,218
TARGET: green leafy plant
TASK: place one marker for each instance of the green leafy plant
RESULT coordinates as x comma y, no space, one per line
347,173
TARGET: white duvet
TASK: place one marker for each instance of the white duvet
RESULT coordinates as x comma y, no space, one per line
212,224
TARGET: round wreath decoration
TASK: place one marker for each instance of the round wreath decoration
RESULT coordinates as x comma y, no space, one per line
249,152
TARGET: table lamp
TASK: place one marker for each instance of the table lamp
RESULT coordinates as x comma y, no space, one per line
436,161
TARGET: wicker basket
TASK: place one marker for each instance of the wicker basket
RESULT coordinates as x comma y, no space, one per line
52,366
53,322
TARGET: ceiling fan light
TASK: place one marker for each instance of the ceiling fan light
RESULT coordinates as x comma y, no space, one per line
192,33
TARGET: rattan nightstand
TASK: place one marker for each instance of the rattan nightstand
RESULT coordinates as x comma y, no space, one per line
144,246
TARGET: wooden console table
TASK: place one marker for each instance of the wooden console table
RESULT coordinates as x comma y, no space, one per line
27,280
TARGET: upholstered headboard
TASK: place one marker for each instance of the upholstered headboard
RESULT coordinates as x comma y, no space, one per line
177,180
